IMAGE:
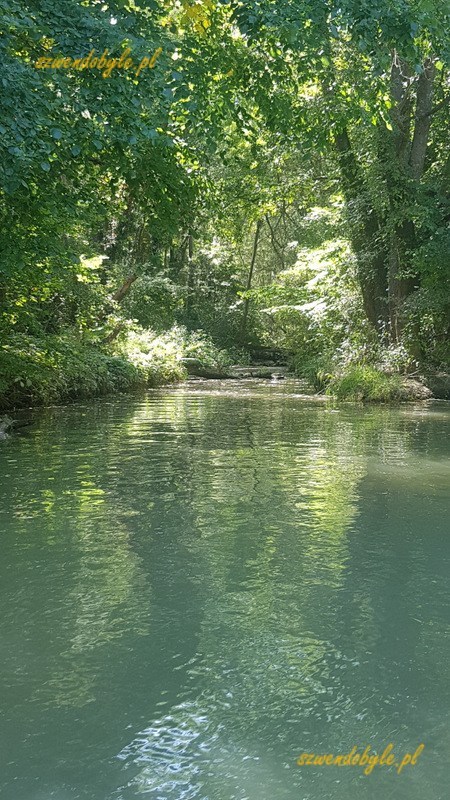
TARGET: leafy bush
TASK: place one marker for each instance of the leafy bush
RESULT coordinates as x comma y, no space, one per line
198,345
39,371
160,357
355,356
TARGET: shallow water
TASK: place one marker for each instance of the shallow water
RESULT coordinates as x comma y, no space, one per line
202,584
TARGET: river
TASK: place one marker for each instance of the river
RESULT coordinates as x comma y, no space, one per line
203,583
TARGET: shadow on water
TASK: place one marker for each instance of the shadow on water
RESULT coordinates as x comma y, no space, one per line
203,583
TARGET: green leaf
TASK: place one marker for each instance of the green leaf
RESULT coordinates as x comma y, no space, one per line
45,166
56,133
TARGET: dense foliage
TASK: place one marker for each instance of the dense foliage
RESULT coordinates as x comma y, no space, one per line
276,174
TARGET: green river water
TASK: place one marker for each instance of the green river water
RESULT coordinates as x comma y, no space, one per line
201,584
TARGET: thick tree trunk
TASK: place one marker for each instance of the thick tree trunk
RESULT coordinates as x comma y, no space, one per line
422,120
401,111
365,230
404,162
400,288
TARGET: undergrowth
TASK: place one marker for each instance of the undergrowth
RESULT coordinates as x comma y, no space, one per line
43,370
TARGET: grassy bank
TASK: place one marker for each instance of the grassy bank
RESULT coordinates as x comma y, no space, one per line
370,385
383,376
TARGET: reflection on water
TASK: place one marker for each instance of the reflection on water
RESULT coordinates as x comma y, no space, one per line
204,583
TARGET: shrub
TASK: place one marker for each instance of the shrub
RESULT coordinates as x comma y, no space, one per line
315,369
160,357
39,371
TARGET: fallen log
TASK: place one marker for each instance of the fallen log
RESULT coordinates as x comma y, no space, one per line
197,369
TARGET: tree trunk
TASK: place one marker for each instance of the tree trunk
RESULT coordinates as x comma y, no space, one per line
365,233
114,333
422,120
403,162
249,280
190,275
125,288
277,247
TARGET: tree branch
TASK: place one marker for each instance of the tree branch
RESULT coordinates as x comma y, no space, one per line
437,107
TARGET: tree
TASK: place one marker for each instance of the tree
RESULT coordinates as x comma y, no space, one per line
378,75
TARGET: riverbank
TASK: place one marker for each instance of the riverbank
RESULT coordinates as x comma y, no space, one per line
39,372
46,370
42,371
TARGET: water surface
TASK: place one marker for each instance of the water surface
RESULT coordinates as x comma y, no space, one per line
203,583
